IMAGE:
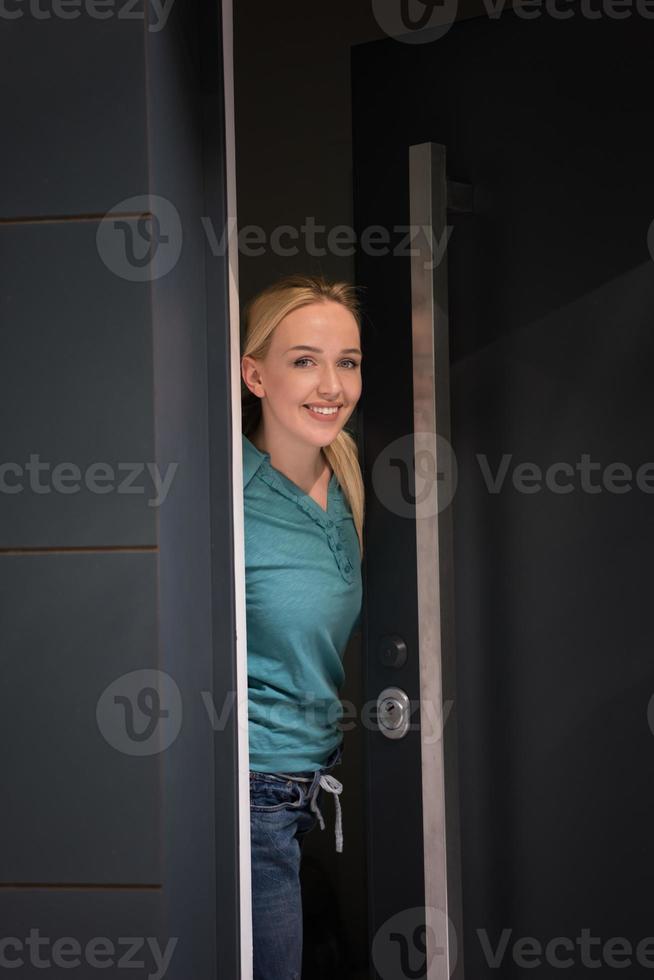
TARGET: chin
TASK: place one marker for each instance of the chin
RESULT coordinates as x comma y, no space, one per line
316,439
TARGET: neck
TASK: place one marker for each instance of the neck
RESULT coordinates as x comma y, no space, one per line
303,464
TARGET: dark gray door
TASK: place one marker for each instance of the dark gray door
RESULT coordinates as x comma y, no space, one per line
551,302
119,822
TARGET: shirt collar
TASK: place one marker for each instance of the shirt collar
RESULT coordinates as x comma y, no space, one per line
253,458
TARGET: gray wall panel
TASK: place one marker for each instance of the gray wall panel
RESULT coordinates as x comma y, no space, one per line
76,808
83,916
75,386
73,115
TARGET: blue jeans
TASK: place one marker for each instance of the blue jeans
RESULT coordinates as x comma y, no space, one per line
283,809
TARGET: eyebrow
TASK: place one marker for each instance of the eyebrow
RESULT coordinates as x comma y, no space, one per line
317,350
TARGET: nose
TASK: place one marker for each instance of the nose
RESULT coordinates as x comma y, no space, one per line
329,386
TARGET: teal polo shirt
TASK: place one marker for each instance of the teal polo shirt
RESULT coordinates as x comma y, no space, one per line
303,601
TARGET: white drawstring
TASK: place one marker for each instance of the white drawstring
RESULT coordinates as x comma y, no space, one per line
331,785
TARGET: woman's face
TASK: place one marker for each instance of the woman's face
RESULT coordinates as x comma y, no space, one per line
314,359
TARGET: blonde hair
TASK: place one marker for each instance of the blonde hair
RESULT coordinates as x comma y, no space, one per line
262,314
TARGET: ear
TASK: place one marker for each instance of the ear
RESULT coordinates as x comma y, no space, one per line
251,375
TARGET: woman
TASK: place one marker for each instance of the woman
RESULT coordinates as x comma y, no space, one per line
304,506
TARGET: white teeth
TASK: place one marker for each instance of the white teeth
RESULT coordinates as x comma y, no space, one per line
322,411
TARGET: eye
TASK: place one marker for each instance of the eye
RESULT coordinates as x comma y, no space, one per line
347,360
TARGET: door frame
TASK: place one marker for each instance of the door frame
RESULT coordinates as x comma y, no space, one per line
240,701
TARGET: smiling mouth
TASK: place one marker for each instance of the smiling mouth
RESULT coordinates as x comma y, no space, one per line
331,413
